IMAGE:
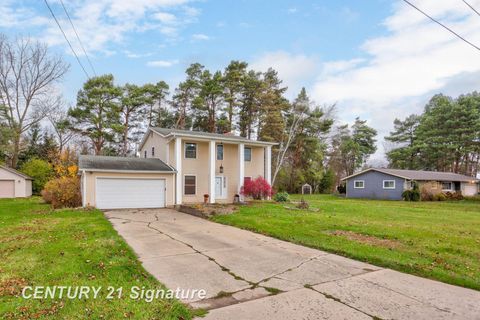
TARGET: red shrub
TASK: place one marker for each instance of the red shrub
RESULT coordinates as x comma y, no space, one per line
257,189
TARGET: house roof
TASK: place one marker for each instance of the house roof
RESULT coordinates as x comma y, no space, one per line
207,135
18,173
420,175
107,163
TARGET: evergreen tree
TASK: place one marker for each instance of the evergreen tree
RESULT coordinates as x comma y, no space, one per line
233,82
405,153
97,113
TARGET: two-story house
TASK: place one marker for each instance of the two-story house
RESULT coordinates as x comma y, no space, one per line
175,167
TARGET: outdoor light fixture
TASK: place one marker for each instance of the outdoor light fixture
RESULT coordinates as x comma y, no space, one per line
221,168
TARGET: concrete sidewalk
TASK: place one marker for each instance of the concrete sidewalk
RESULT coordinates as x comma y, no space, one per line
250,276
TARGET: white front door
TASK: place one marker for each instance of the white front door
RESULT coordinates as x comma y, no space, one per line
220,187
115,193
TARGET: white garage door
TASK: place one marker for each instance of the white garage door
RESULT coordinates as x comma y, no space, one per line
470,190
112,193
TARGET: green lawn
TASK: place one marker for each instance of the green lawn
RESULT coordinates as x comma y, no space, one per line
40,247
437,240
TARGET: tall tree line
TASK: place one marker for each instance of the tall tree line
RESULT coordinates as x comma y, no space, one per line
445,137
110,119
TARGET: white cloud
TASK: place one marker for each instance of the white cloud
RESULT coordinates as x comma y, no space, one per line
292,10
100,23
134,55
415,60
294,70
200,37
165,17
162,63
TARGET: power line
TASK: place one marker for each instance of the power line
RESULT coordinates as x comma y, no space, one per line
441,24
471,7
80,41
65,36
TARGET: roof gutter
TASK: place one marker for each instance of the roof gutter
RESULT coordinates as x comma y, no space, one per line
128,171
246,141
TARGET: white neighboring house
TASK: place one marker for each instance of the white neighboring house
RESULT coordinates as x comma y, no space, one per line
175,167
14,184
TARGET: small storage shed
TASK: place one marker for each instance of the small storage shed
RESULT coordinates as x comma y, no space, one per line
306,189
14,184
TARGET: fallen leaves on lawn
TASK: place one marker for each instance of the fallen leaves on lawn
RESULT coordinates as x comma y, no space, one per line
366,239
12,286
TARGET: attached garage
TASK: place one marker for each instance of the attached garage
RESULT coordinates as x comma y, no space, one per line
112,193
121,183
14,184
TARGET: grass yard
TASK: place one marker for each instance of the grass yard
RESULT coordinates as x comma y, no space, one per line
40,247
437,240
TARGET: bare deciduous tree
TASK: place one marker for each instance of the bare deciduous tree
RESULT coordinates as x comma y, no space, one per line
28,72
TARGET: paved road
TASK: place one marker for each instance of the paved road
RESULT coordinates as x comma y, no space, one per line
250,276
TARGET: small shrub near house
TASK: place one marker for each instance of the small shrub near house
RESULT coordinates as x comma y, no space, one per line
342,189
63,192
281,197
257,189
40,170
439,197
454,195
412,194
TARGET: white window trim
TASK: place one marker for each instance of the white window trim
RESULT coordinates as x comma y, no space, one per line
216,151
185,150
394,184
251,154
196,185
355,184
451,185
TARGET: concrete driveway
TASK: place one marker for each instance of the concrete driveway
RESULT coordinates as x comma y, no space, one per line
250,276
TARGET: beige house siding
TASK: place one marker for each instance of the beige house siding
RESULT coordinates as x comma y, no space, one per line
256,167
23,187
196,167
161,147
88,184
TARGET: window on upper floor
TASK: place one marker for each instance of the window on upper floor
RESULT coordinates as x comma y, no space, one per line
247,154
153,151
145,153
219,151
190,150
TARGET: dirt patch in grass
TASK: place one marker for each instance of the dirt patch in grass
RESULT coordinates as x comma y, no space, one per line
12,286
366,239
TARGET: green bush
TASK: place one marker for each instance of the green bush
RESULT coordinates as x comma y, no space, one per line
281,197
63,192
412,194
439,197
472,198
40,170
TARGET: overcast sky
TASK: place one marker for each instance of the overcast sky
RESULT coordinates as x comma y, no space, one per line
376,59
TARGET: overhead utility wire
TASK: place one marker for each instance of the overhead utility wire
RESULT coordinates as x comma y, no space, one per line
80,41
441,24
65,36
471,7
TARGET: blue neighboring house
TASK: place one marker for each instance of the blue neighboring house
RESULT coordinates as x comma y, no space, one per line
389,184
